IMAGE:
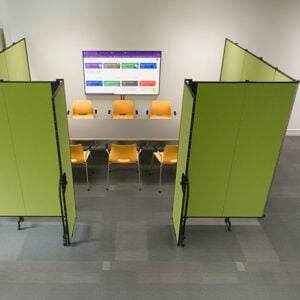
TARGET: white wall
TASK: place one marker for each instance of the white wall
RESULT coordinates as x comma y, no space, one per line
190,33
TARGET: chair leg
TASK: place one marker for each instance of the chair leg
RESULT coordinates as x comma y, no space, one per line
87,177
139,174
107,180
160,173
151,166
160,176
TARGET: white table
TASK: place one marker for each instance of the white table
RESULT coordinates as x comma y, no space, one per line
124,130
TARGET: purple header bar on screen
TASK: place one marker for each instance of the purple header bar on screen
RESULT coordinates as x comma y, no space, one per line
130,54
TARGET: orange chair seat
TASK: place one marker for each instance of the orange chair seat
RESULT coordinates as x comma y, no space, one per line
160,109
82,109
123,109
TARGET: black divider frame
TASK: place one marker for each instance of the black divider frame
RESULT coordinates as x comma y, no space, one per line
56,85
192,87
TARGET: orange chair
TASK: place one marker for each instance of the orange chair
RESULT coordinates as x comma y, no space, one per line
82,109
80,156
123,154
123,109
166,157
160,109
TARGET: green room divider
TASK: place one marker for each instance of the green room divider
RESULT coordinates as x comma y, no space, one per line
62,137
183,152
3,67
230,139
239,64
36,170
14,62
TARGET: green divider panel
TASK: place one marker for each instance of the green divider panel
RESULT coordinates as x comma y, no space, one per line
281,77
63,135
241,65
256,69
3,67
29,107
215,130
261,132
11,200
185,126
17,62
233,62
237,134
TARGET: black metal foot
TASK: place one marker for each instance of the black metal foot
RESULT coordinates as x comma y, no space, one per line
182,242
21,219
66,240
228,223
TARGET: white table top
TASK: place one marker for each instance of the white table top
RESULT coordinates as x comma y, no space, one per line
118,129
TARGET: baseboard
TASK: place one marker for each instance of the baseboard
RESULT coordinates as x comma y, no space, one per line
293,132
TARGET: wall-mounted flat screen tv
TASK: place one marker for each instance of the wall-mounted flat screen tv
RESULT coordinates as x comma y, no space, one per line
121,72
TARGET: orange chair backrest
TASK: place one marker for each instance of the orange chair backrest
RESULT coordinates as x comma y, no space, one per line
82,109
123,154
77,155
123,109
160,109
170,154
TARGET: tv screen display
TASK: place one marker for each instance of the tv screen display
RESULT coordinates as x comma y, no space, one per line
121,72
